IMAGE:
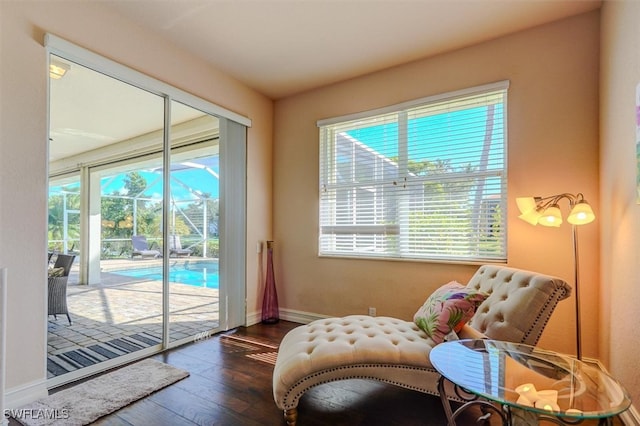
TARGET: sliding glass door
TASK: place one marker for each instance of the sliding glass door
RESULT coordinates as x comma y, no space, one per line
137,192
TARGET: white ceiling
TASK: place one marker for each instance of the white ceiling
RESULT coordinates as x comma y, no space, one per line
282,47
90,110
279,47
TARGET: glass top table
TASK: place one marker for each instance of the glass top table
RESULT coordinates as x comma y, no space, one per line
523,377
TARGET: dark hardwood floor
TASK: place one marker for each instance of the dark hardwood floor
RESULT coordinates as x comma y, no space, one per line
228,386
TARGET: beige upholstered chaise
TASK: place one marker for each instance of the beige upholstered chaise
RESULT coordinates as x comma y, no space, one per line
396,351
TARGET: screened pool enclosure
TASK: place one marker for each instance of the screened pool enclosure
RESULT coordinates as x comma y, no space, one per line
131,204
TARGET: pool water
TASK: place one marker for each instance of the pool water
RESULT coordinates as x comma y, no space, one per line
197,274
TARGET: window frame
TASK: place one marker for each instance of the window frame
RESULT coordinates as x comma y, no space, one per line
328,170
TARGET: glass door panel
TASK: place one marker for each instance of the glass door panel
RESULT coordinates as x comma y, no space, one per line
193,237
144,223
105,154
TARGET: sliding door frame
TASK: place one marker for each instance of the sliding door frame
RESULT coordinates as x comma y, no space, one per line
233,181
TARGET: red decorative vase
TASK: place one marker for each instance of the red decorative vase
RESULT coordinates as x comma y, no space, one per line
270,310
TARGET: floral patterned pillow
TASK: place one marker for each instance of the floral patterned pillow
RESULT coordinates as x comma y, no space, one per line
448,309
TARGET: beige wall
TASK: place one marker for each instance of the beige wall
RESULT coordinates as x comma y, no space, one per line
23,154
553,148
620,224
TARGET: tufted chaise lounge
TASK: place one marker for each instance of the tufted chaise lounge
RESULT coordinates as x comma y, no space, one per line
395,351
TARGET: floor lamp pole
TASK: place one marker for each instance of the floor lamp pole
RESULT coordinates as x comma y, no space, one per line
576,279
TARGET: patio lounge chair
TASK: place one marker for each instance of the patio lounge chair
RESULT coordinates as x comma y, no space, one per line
141,248
175,247
57,286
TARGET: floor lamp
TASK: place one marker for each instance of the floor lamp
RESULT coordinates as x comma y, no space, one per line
546,211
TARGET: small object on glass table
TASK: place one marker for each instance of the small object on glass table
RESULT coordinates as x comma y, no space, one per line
512,379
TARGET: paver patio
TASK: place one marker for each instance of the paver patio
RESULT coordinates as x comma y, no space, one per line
121,307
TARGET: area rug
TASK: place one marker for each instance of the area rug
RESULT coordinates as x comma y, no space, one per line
90,400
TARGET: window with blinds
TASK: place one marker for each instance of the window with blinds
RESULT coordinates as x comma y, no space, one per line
421,180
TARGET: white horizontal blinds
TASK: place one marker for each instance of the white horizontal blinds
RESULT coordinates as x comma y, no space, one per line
358,212
456,162
425,182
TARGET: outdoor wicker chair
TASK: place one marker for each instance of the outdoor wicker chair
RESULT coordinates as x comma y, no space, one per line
59,275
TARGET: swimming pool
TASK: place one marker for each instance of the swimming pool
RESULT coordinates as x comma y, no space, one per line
197,274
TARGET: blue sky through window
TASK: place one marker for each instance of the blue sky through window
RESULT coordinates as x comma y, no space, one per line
430,137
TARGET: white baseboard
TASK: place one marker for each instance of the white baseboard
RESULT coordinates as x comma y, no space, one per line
300,316
25,394
287,315
252,318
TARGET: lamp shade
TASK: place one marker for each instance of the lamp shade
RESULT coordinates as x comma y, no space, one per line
532,216
526,204
581,214
529,209
551,216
